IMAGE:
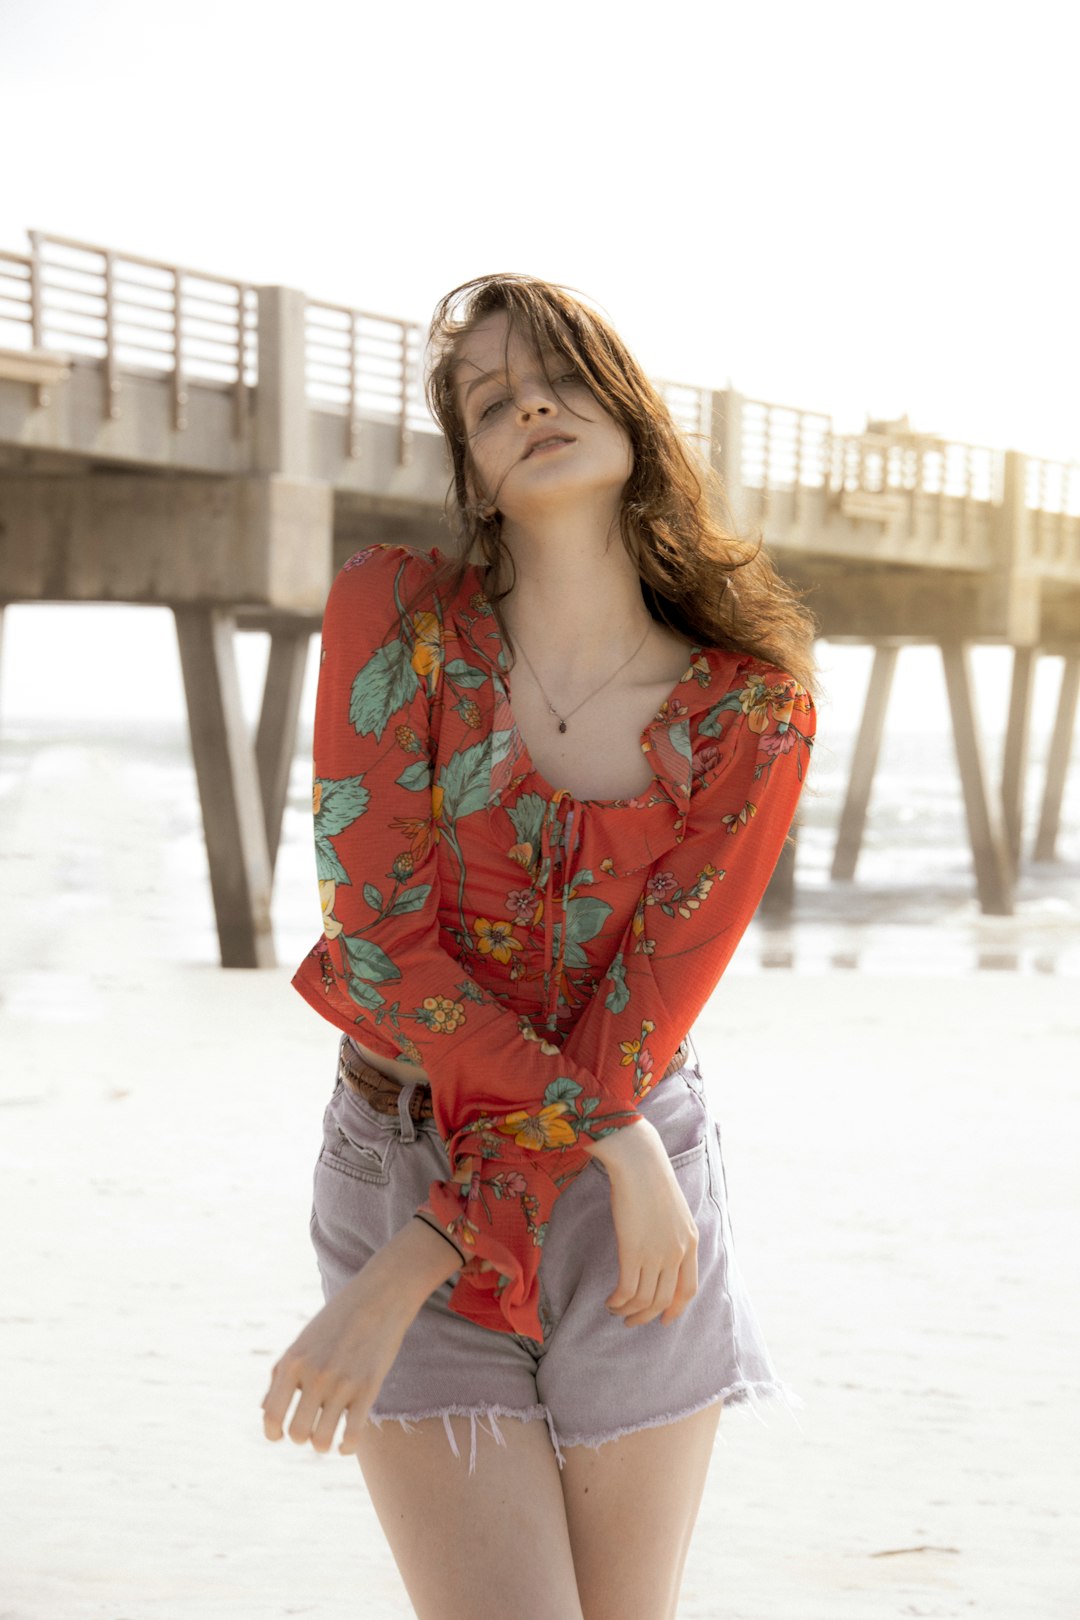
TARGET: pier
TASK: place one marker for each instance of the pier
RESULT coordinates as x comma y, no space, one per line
176,437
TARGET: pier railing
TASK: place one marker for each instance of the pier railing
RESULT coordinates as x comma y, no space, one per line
780,446
1052,498
130,314
365,365
137,317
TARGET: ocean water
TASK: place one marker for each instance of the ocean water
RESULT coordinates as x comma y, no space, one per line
102,853
912,904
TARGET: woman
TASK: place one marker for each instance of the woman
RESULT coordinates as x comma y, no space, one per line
528,899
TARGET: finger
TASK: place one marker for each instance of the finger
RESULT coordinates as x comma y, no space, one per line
304,1417
644,1295
276,1404
625,1290
663,1293
322,1437
685,1288
350,1440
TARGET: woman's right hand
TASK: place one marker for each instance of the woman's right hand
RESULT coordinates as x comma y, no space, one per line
656,1233
339,1361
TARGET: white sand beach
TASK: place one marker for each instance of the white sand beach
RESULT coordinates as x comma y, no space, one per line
901,1164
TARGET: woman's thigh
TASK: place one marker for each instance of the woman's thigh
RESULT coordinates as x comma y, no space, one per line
484,1547
653,1479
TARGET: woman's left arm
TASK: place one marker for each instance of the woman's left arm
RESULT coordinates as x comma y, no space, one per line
698,900
339,1361
694,907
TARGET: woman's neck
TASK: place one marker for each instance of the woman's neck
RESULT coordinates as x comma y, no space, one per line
575,607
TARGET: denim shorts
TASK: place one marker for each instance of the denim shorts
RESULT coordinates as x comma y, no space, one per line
592,1377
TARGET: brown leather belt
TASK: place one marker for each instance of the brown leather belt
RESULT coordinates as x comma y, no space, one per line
382,1092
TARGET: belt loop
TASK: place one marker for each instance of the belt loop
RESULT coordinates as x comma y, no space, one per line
405,1119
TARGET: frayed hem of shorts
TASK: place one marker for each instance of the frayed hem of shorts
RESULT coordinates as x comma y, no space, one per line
754,1391
474,1414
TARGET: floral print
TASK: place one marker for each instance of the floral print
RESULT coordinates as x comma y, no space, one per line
540,957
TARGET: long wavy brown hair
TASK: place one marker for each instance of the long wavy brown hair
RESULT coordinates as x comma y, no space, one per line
698,576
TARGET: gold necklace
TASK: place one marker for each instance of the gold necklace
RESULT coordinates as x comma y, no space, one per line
563,719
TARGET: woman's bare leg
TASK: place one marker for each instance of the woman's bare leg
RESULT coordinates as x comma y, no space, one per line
481,1546
631,1506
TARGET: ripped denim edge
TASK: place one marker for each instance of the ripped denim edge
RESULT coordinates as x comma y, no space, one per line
751,1390
474,1414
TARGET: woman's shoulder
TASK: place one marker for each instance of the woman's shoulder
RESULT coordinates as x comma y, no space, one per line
387,559
743,682
737,667
379,580
746,707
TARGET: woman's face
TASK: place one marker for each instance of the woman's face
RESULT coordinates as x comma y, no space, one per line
508,419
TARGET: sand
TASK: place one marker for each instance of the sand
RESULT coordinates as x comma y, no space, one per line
900,1157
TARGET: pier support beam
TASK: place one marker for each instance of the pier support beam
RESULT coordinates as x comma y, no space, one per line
778,900
1017,745
864,762
726,448
275,740
1057,764
234,821
993,866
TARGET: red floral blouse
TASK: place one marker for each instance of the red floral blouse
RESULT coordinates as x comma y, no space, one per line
540,956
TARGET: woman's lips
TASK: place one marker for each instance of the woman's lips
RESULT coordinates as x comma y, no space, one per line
548,445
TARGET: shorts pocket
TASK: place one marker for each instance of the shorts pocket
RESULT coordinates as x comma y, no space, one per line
688,1157
678,1161
718,1179
691,1169
677,1112
355,1142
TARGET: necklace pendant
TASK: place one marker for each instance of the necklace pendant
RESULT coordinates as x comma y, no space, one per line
562,725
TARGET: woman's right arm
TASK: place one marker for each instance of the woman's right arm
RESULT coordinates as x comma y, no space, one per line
340,1359
385,831
382,814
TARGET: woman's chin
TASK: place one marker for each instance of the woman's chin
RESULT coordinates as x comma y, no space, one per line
552,497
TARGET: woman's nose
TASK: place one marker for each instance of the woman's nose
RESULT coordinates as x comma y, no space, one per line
534,399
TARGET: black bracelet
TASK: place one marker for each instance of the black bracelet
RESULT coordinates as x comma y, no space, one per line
442,1234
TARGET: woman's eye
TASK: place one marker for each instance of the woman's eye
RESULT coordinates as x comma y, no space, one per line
494,405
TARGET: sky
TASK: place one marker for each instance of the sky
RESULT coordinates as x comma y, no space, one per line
838,206
853,209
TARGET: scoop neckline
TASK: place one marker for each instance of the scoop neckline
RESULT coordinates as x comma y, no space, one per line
525,756
565,793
